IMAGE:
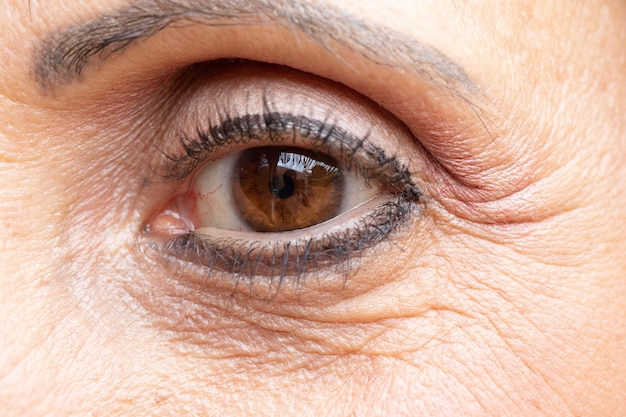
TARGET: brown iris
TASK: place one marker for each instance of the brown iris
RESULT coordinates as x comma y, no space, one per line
277,189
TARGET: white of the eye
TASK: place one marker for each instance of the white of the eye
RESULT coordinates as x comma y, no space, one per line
215,206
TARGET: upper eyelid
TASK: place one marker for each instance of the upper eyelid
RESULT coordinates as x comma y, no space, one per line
457,114
427,111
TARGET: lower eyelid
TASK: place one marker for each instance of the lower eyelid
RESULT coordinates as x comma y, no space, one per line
267,266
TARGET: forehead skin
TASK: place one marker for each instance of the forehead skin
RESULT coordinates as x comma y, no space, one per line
506,297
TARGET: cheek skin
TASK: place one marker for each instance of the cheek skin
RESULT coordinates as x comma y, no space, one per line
491,320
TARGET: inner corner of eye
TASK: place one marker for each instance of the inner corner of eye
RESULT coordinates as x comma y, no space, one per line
173,219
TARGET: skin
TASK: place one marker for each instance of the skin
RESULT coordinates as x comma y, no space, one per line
504,295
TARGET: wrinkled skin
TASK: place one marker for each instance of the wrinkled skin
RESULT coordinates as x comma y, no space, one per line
505,294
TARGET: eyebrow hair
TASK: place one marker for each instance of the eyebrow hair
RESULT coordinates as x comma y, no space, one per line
63,55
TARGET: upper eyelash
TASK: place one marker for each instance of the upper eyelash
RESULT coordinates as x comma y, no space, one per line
278,127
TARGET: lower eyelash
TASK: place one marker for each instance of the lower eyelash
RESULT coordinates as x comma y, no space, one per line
279,261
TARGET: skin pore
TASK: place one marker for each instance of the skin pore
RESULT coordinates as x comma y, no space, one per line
486,276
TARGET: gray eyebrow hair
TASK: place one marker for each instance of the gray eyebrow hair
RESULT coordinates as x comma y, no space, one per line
63,55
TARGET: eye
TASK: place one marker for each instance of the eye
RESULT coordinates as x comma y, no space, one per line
273,189
281,192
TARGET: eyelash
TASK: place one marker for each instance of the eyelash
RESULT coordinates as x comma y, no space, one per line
282,259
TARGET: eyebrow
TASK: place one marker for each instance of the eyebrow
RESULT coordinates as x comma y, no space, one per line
61,56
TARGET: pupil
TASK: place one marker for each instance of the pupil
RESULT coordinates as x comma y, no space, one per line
279,189
282,186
